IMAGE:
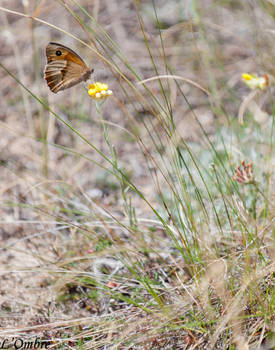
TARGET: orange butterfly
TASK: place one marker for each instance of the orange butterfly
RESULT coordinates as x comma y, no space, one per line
64,68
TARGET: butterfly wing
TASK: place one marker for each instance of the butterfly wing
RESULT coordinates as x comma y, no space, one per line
64,68
54,74
61,75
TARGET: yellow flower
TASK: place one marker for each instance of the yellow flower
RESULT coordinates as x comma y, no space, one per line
99,91
255,82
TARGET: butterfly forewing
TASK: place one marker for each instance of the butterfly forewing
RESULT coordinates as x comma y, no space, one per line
64,68
54,74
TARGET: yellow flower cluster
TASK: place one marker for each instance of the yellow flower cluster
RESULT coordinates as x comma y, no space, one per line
255,82
99,91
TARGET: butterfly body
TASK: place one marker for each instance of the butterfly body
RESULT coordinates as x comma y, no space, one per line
64,68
